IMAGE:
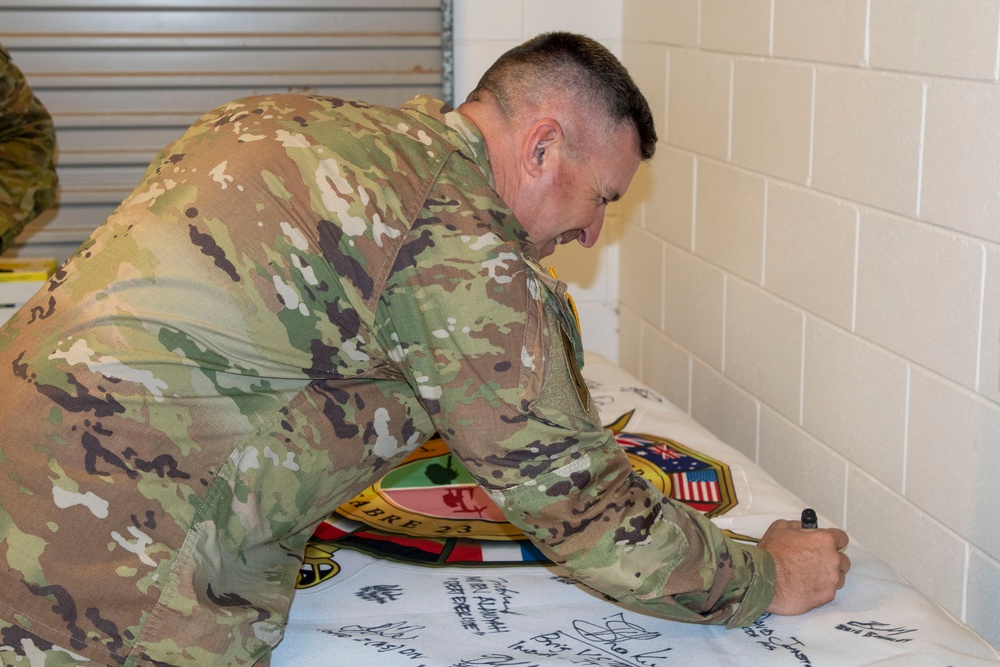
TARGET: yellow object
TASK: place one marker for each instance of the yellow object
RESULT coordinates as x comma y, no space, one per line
16,270
572,304
21,278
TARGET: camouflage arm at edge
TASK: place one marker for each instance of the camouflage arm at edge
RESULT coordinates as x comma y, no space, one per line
27,147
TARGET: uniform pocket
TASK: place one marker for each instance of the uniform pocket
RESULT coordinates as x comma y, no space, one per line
555,391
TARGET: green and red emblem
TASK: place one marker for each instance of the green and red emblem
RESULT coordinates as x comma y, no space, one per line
430,510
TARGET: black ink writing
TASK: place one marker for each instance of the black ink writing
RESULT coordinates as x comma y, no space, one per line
495,660
385,638
380,593
645,393
399,630
877,630
615,629
480,604
605,644
765,637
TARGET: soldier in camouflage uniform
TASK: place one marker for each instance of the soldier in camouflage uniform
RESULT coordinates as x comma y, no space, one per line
27,145
300,292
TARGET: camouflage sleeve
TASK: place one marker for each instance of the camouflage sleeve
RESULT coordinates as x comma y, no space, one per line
607,525
486,339
27,146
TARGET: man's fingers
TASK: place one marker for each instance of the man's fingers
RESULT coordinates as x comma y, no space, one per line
810,563
840,538
845,567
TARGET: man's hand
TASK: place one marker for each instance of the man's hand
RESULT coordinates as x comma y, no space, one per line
809,564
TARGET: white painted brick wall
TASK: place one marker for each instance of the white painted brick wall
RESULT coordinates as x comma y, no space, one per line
810,250
771,118
803,464
763,346
698,109
866,137
961,170
821,31
694,304
740,26
947,37
724,408
854,400
730,219
838,162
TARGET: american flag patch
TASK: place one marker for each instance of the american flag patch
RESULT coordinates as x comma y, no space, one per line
697,485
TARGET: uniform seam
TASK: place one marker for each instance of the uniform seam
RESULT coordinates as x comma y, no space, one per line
409,217
185,554
57,631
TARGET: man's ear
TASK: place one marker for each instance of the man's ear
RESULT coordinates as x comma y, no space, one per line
542,143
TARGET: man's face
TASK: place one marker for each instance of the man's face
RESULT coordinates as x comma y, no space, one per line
569,202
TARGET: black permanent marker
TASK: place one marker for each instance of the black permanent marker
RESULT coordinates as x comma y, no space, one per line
808,518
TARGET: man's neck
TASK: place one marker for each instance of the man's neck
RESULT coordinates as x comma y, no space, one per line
502,144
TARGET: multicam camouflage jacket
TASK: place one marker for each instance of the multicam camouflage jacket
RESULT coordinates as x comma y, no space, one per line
27,145
299,293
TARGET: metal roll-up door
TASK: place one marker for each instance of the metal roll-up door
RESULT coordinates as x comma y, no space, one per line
122,78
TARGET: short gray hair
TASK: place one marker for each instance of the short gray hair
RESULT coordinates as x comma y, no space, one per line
567,63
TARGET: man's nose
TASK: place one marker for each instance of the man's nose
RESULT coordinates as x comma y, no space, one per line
592,231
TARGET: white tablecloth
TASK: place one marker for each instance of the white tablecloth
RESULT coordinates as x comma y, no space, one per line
379,612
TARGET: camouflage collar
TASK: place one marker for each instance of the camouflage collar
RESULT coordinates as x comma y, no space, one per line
468,140
457,128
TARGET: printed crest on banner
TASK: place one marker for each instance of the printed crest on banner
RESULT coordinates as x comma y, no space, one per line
429,509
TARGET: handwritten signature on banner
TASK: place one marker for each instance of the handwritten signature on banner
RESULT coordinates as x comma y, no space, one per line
385,638
480,603
608,643
611,642
767,638
883,631
381,593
